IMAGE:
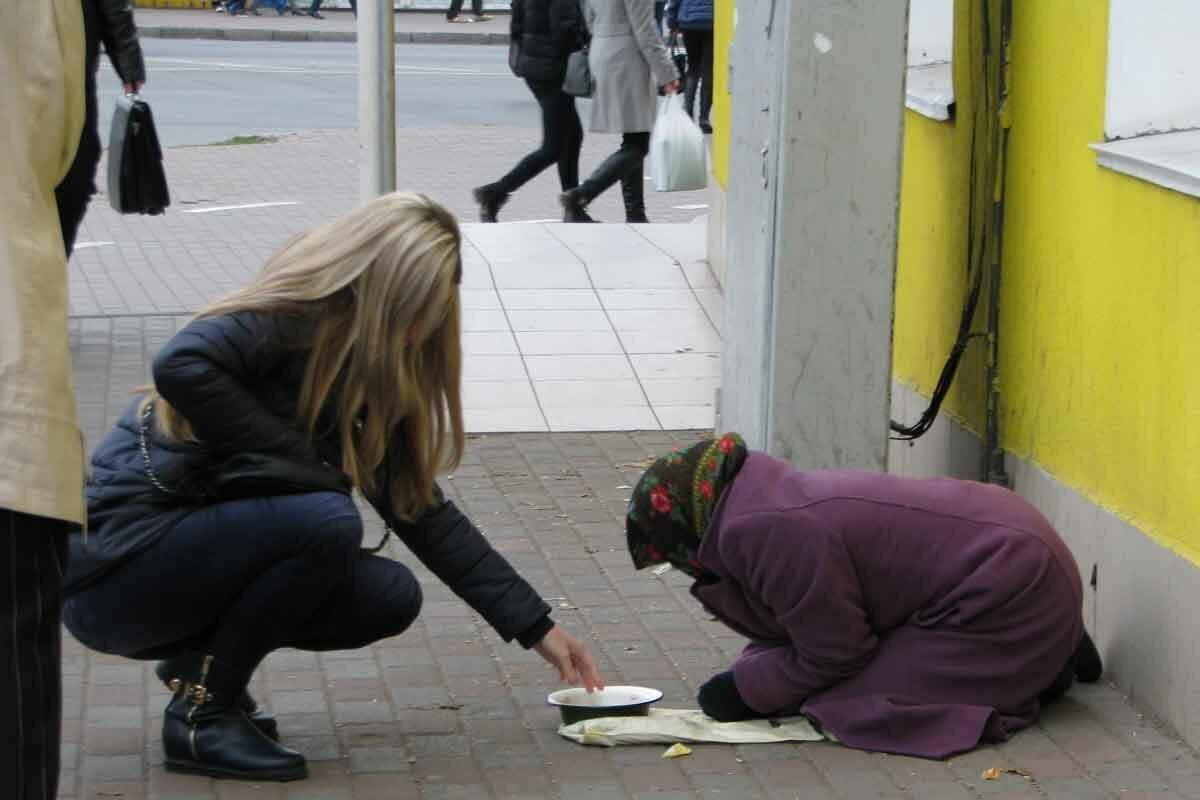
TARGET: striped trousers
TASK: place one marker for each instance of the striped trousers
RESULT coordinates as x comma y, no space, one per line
33,552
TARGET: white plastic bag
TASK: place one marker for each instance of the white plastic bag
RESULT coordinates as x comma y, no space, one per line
678,159
665,725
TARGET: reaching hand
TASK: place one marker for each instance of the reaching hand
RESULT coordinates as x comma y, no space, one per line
671,88
134,88
570,657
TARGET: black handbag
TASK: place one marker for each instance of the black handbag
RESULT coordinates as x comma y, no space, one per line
137,183
578,79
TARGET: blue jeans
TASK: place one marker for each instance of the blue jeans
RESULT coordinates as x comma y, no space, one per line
242,578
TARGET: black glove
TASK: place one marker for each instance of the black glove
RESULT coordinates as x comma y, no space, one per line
720,699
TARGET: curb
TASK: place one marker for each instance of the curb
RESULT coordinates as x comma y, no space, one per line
268,35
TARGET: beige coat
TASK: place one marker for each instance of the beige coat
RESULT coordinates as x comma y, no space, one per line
629,62
41,117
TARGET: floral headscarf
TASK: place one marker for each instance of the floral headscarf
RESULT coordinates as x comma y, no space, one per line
673,502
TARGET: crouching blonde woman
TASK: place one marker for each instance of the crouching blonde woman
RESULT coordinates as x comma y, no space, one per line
221,522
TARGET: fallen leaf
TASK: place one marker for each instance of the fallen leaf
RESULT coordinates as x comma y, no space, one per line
992,773
676,750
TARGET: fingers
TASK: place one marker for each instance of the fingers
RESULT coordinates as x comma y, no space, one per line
588,670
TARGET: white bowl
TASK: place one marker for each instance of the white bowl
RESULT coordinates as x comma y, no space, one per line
611,701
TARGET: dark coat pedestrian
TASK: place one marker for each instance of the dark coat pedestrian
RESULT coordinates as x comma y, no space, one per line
693,19
110,22
544,34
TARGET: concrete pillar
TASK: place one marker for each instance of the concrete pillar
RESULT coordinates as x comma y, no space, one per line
376,98
814,182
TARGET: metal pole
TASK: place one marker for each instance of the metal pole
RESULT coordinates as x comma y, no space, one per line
377,97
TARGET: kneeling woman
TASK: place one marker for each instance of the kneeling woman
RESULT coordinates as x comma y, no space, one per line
918,617
221,521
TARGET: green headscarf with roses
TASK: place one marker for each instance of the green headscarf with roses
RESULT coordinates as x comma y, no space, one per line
673,502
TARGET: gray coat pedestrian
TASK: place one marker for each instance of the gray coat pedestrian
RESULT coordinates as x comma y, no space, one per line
629,62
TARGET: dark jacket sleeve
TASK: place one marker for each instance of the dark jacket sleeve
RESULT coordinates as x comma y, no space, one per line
456,551
516,23
205,372
567,26
119,34
673,15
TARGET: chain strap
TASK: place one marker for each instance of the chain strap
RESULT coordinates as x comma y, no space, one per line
143,442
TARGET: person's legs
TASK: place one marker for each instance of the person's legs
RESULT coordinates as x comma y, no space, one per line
982,684
660,7
555,125
454,9
568,162
693,43
633,150
33,552
633,192
477,9
381,599
79,184
231,581
315,9
706,79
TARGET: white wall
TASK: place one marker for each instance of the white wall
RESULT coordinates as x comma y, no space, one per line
1153,67
930,31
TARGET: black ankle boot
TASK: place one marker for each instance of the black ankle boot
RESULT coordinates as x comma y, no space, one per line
206,733
185,668
490,202
633,192
574,207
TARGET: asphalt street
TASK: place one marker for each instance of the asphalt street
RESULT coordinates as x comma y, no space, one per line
205,91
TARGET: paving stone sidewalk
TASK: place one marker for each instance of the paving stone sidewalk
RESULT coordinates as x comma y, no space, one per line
448,711
208,242
413,27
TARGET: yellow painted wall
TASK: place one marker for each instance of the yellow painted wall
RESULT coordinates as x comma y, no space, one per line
721,111
1100,304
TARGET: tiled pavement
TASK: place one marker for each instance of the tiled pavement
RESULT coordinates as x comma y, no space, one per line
566,327
446,710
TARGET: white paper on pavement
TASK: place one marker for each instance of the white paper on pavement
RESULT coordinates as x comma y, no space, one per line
665,725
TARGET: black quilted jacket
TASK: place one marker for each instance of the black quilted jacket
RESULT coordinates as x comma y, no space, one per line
236,379
547,32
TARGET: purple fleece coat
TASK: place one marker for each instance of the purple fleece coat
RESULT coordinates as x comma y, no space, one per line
918,617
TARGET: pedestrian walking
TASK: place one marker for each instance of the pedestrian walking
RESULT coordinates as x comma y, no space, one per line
694,20
453,12
222,525
314,10
545,32
916,617
42,60
111,22
629,62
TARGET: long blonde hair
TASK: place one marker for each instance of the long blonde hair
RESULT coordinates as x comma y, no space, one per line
386,356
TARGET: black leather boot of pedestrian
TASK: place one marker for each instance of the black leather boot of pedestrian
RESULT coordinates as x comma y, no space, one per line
185,668
633,192
206,733
490,201
574,207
